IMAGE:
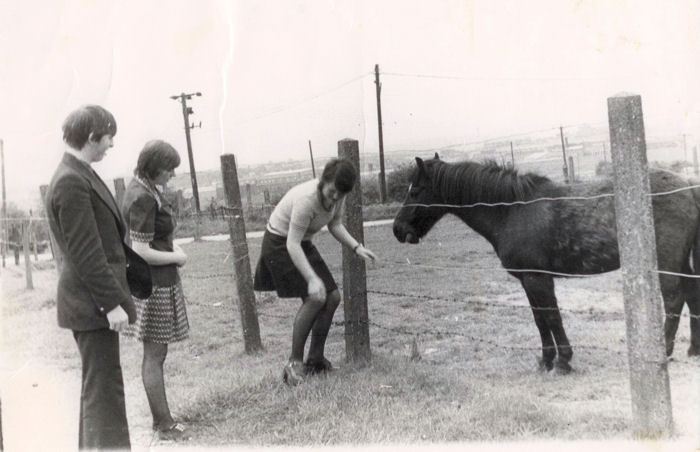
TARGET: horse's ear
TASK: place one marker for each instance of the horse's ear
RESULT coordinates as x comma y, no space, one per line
419,162
437,157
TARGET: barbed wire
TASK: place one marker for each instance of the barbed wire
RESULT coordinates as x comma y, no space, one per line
589,311
545,198
535,270
26,219
450,333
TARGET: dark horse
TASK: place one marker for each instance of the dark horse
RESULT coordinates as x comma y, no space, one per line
559,236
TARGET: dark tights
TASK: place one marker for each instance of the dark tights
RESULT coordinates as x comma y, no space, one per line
316,318
152,374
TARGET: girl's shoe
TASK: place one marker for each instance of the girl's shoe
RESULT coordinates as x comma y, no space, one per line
318,367
175,432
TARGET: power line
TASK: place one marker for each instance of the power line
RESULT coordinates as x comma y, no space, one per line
482,78
283,108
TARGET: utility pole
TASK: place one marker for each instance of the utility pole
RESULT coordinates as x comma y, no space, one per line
311,153
563,151
186,112
382,176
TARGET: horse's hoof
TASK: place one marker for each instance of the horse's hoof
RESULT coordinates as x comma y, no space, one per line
544,366
563,368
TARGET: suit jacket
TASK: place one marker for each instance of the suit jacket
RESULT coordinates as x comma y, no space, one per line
88,229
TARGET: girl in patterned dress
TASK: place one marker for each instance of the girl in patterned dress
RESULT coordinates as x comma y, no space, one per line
162,317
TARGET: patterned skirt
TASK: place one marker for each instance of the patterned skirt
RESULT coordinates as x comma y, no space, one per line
161,318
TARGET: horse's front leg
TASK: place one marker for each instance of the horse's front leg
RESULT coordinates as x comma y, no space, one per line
540,293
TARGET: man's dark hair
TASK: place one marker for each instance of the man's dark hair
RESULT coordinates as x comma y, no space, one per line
85,121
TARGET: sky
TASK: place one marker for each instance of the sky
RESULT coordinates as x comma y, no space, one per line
277,74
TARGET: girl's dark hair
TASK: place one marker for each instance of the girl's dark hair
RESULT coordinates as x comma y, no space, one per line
342,173
156,156
86,120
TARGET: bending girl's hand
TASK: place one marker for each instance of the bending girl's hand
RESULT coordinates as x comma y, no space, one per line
317,290
366,253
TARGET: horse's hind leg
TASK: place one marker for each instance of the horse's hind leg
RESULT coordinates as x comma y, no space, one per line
691,290
540,293
673,305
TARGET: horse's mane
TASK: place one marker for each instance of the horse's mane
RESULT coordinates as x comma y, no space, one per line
471,182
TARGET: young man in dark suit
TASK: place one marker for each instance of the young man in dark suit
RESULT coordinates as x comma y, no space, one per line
93,297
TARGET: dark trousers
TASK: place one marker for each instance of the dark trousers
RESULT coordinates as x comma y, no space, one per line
103,422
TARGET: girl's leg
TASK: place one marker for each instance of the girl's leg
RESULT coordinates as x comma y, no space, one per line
321,327
152,374
303,322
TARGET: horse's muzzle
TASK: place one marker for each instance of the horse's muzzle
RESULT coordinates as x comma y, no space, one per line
405,233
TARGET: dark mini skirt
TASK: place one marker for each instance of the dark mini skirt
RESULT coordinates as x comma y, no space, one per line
276,271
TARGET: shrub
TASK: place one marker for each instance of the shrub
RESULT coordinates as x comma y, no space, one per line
370,190
398,181
603,168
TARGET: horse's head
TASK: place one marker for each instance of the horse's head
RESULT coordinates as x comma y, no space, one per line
419,212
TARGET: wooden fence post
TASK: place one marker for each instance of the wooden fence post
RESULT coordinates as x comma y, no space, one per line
695,160
572,170
55,252
249,196
33,240
241,261
649,384
180,201
26,232
5,238
119,190
357,349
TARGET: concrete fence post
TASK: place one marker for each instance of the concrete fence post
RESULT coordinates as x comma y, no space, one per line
649,384
357,349
241,261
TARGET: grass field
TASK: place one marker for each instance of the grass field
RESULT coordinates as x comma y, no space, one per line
454,350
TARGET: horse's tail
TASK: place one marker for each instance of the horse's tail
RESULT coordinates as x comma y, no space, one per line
692,285
695,256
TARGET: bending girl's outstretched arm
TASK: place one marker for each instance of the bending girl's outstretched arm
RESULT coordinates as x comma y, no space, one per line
342,235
